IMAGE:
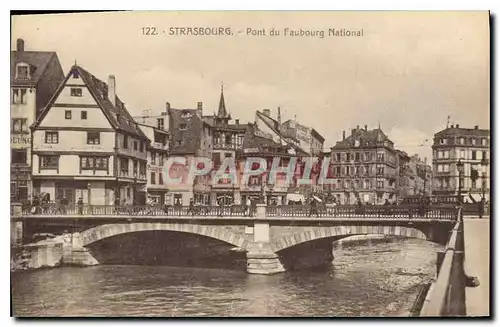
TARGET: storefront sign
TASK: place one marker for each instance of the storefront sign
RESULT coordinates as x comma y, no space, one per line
20,140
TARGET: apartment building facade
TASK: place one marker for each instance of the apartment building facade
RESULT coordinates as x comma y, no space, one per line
472,147
156,129
364,165
227,141
34,76
87,145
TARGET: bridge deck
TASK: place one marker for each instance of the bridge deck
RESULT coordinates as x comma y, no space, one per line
477,256
225,218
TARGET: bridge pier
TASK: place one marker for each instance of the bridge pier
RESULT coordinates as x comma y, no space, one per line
261,259
74,253
16,227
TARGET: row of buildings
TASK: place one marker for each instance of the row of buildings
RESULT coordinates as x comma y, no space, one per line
72,137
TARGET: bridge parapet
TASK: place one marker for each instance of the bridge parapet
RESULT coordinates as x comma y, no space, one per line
258,212
446,296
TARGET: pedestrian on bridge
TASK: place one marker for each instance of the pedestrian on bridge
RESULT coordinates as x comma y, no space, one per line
80,206
481,208
313,207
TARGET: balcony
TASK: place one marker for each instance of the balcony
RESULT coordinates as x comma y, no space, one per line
227,146
159,146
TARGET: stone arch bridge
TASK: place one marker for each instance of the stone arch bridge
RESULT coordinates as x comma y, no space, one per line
272,243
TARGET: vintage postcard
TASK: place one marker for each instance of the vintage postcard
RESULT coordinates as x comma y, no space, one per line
250,164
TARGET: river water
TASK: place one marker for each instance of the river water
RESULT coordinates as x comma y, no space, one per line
367,278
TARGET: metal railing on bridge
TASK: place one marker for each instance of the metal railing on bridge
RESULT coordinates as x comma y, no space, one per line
282,211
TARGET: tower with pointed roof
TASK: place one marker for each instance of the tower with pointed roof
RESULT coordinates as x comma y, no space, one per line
222,117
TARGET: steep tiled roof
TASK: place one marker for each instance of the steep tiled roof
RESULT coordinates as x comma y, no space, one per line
117,115
452,131
365,137
186,128
276,128
38,61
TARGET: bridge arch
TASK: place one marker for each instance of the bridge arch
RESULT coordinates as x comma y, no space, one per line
323,232
101,232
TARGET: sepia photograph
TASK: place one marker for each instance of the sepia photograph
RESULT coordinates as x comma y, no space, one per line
302,164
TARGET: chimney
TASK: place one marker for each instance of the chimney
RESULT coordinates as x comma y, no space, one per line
167,106
366,127
20,45
112,89
457,126
476,127
200,109
357,127
352,131
237,121
343,135
267,112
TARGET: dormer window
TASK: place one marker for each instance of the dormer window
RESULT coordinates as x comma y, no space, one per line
22,71
186,114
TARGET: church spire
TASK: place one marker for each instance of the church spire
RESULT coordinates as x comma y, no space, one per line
222,113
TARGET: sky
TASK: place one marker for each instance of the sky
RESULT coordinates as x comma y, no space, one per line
407,73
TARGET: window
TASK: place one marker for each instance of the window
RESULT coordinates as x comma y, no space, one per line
474,155
461,140
183,127
357,156
153,158
67,114
84,115
93,138
254,180
348,157
358,170
125,141
124,165
367,170
153,178
161,123
483,142
51,137
446,154
485,155
356,143
347,170
49,162
19,96
22,71
473,141
19,125
337,171
440,168
160,159
160,178
380,156
76,92
338,157
446,168
380,184
135,165
135,146
141,147
380,170
462,154
75,74
18,156
443,141
94,163
228,155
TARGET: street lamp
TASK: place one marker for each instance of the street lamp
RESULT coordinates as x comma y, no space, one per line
484,165
460,168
